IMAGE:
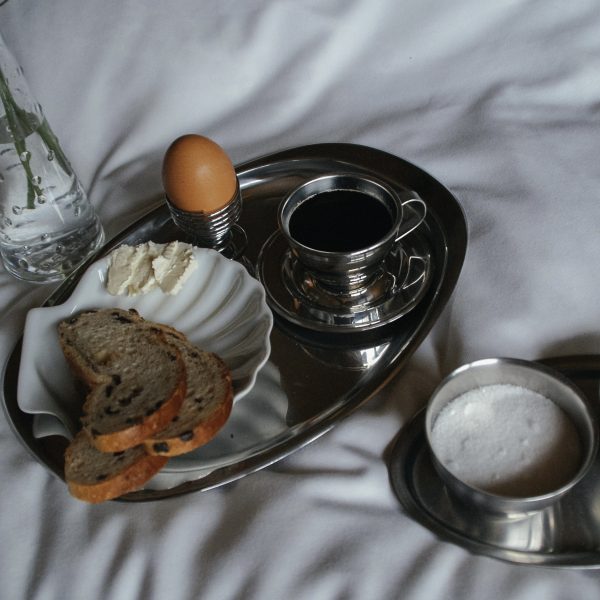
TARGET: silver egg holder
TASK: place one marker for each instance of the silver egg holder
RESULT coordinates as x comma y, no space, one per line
347,290
218,229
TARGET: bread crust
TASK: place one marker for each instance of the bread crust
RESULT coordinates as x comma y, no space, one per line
129,479
204,431
211,422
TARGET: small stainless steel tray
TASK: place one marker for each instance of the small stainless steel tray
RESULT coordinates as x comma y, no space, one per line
566,534
312,379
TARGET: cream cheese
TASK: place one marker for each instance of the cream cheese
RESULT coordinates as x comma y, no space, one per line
173,266
134,270
119,270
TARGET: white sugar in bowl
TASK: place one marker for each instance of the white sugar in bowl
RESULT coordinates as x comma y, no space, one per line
510,435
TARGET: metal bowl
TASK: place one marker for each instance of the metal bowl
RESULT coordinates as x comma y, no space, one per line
531,376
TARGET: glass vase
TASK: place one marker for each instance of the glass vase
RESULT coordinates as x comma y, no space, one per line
48,227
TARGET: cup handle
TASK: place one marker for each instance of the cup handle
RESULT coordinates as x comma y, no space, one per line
417,268
416,217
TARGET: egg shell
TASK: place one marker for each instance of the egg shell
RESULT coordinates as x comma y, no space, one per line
197,174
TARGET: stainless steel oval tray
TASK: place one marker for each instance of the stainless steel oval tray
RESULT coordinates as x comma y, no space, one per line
566,534
312,379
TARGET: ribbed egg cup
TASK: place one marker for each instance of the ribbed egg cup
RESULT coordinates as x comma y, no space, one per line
218,229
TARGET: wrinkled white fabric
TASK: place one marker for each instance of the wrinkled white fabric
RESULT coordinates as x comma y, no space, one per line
500,101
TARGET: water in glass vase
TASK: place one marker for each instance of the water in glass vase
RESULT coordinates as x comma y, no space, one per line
47,225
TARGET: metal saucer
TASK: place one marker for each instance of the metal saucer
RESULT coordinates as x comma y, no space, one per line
294,293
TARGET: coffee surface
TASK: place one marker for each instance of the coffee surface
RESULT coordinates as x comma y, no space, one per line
340,221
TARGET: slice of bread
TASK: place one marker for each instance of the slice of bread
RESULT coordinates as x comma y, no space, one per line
206,406
95,476
136,377
152,394
86,340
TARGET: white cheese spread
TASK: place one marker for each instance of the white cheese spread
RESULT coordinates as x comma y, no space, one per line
134,270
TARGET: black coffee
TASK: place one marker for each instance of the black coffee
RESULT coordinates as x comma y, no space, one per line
340,221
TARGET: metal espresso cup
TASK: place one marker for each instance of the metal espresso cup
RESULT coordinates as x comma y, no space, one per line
341,227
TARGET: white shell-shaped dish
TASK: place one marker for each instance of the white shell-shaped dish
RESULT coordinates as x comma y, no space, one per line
221,308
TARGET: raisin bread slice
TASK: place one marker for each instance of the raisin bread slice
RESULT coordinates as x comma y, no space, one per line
95,476
206,407
87,338
137,378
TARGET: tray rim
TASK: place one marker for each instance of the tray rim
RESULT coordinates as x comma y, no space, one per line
412,433
353,154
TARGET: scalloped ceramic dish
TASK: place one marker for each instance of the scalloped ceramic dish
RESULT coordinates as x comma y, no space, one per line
221,308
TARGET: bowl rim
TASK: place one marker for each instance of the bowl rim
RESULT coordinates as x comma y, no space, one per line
346,181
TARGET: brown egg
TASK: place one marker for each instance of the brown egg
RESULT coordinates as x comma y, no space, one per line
198,175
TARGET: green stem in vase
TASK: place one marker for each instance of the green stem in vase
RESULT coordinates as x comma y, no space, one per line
19,124
53,144
24,121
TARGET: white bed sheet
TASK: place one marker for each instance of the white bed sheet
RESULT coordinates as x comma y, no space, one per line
498,100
